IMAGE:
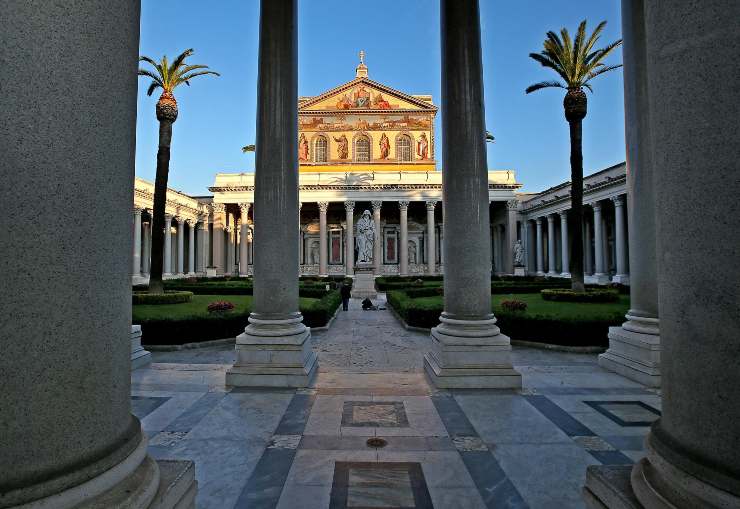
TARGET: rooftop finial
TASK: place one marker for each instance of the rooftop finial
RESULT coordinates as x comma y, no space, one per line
362,68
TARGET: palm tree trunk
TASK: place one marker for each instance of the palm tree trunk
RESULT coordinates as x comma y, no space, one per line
575,218
160,199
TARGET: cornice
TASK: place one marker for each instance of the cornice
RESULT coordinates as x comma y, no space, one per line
376,187
587,189
408,98
177,206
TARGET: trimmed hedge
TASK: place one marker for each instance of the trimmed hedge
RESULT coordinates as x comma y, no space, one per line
561,295
169,297
520,325
226,324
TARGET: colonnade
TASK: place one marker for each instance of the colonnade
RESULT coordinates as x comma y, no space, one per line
552,246
187,259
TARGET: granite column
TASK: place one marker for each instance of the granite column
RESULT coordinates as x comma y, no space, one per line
349,243
180,246
323,240
620,240
403,248
377,246
167,245
540,255
244,240
68,436
431,240
468,350
565,244
551,254
275,348
136,270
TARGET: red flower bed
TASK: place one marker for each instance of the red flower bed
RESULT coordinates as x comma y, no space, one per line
220,305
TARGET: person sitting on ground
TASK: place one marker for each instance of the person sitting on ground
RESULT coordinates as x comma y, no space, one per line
345,292
367,304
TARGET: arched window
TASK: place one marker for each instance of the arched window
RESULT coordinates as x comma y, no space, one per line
362,149
403,148
320,150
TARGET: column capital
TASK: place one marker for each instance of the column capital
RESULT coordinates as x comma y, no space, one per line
138,211
403,204
244,208
431,204
190,222
180,220
218,208
512,204
538,220
377,204
349,205
323,206
618,200
228,228
563,214
168,216
596,206
550,218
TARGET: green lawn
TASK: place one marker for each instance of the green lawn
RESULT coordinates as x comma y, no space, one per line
536,305
198,308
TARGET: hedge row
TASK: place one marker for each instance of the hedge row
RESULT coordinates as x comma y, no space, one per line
169,297
226,325
562,295
516,325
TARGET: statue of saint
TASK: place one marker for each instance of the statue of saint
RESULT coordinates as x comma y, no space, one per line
302,148
314,253
412,252
385,146
518,254
365,238
422,147
342,147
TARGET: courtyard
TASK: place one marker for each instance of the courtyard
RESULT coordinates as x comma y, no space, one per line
306,448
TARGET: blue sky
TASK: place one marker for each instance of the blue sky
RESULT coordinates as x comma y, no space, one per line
401,40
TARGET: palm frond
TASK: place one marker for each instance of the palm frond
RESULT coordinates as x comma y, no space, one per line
490,138
180,59
546,60
184,69
185,79
154,86
544,84
580,36
150,74
601,70
248,148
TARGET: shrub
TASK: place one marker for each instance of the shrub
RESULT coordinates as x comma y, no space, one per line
167,297
220,306
514,306
319,313
563,295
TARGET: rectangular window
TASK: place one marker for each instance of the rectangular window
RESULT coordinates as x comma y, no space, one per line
335,247
391,246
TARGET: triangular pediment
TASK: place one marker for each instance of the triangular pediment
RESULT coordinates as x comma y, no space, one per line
364,95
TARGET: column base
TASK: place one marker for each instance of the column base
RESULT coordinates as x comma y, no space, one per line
634,350
273,353
139,356
608,487
470,354
364,286
596,279
520,271
190,274
622,279
540,273
138,481
565,274
552,273
211,272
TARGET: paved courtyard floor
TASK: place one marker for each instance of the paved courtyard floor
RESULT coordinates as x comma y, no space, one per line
445,449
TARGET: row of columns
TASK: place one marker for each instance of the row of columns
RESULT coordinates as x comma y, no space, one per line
599,261
142,246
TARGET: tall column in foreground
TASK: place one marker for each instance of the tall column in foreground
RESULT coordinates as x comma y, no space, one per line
468,349
323,240
565,244
634,348
274,349
431,240
244,240
136,269
693,450
349,257
403,246
68,436
167,245
377,246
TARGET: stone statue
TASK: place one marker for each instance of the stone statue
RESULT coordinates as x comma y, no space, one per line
314,253
342,147
412,252
365,238
518,254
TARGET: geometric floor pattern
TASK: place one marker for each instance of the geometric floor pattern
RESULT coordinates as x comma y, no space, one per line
308,448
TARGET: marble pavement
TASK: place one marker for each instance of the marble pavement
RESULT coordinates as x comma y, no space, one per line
306,448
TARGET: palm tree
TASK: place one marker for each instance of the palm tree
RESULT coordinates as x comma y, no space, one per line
577,63
167,77
248,148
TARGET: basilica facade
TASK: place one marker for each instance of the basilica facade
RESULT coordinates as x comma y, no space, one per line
366,152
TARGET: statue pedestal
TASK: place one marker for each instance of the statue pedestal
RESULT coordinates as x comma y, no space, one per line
363,284
520,271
